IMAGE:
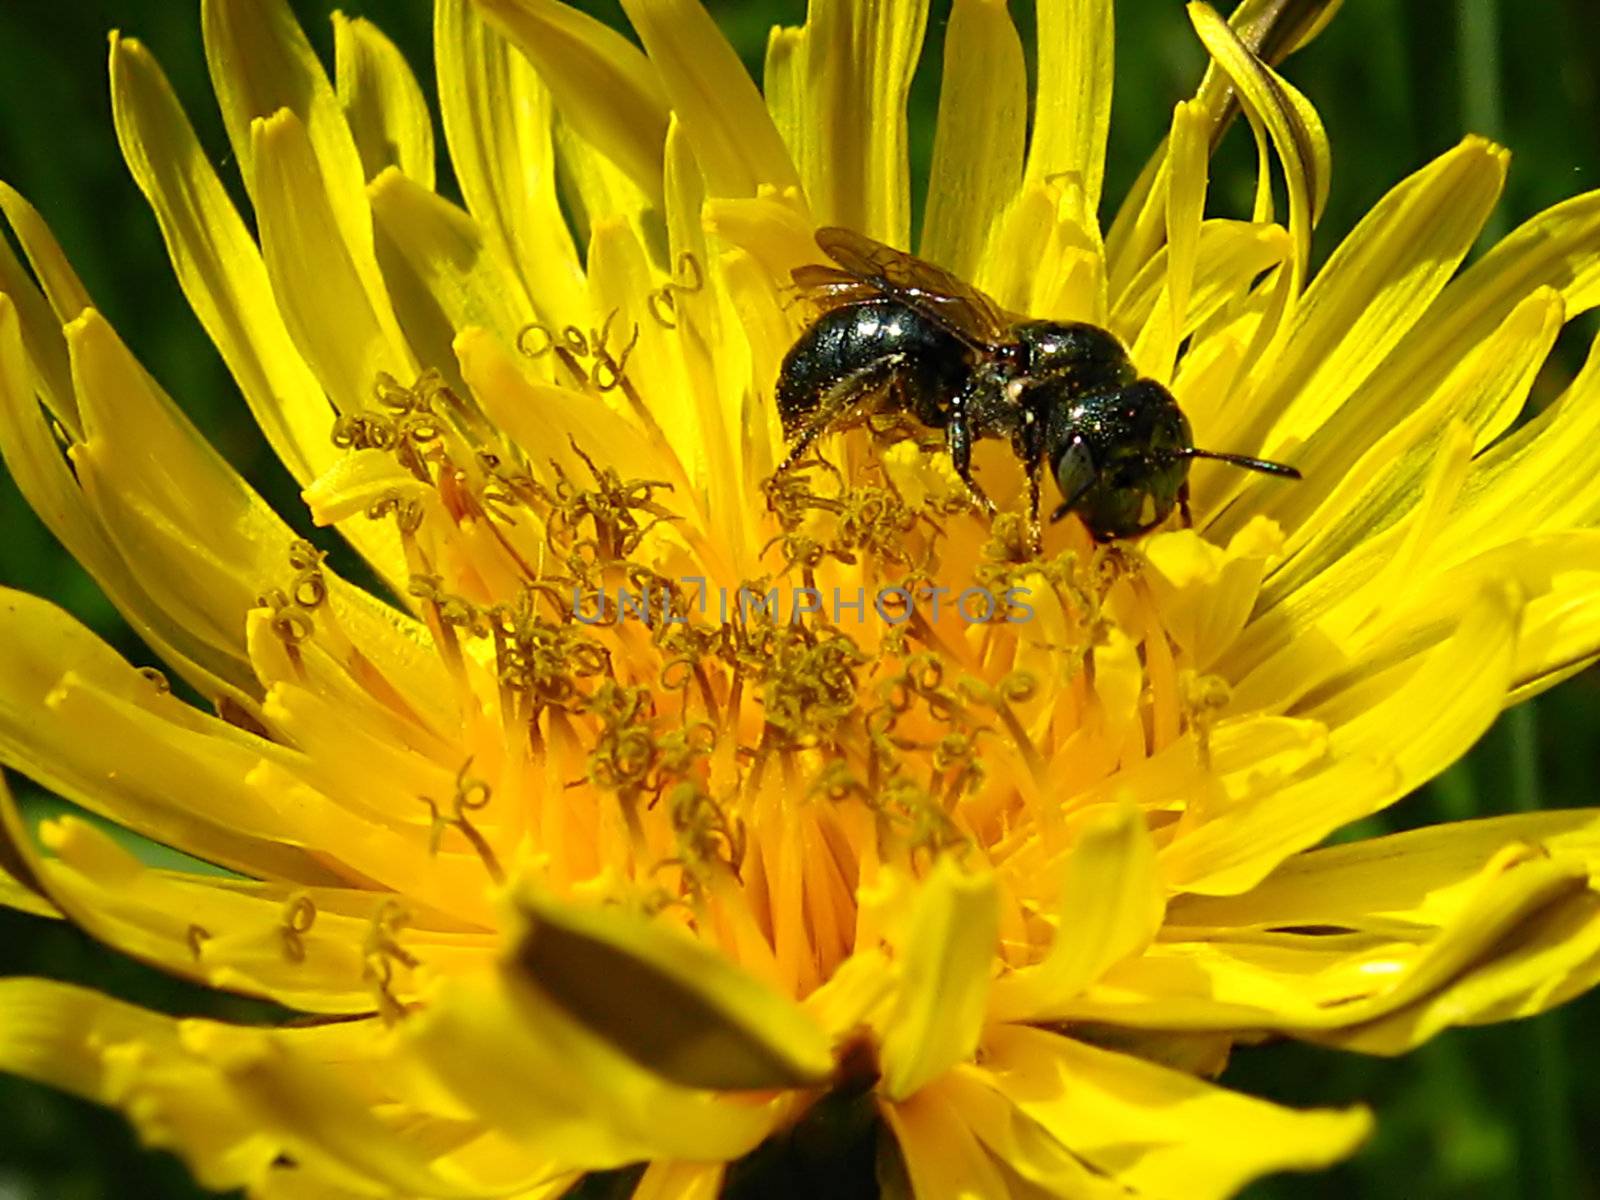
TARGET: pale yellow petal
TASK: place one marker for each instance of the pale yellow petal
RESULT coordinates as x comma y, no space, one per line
1111,905
498,117
1161,1133
1388,733
844,79
978,142
382,101
734,140
1072,112
602,84
944,987
261,62
1274,106
334,305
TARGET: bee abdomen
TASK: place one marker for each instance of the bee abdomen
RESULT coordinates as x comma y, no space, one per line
850,340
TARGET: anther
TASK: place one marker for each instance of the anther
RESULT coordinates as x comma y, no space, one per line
529,340
299,914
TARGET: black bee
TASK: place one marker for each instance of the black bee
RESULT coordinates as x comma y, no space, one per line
898,335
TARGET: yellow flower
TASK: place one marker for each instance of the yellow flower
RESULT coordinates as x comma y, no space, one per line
570,886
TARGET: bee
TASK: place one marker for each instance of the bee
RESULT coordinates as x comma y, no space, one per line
902,337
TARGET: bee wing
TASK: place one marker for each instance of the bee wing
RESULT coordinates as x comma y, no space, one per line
932,291
831,287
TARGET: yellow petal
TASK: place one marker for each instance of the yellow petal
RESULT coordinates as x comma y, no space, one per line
943,1159
1268,29
324,1124
1206,593
1540,478
330,293
600,81
19,886
155,764
497,117
1385,738
978,142
1161,1133
1402,874
1072,112
1229,256
44,348
260,63
1019,1146
1559,248
217,263
61,285
1487,389
382,101
847,72
447,256
1287,116
113,1053
1157,348
35,462
1372,291
947,957
668,1002
517,1060
1510,932
734,140
1111,905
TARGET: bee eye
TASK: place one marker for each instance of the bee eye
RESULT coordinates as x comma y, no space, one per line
1075,475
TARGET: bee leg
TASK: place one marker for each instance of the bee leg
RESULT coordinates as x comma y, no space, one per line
838,400
958,441
1035,532
1184,514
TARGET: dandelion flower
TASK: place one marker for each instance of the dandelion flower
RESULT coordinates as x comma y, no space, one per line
568,855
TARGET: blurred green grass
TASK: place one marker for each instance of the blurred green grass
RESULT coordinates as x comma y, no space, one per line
1498,1112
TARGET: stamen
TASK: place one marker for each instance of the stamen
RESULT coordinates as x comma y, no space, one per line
197,936
471,795
299,914
309,589
1204,698
528,340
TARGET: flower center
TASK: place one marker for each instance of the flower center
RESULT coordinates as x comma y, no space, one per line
901,680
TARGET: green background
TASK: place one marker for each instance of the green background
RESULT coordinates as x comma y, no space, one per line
1494,1112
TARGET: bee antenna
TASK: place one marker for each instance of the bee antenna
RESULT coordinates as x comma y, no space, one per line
1265,466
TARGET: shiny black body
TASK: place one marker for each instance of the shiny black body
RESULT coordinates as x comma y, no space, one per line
900,335
855,353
